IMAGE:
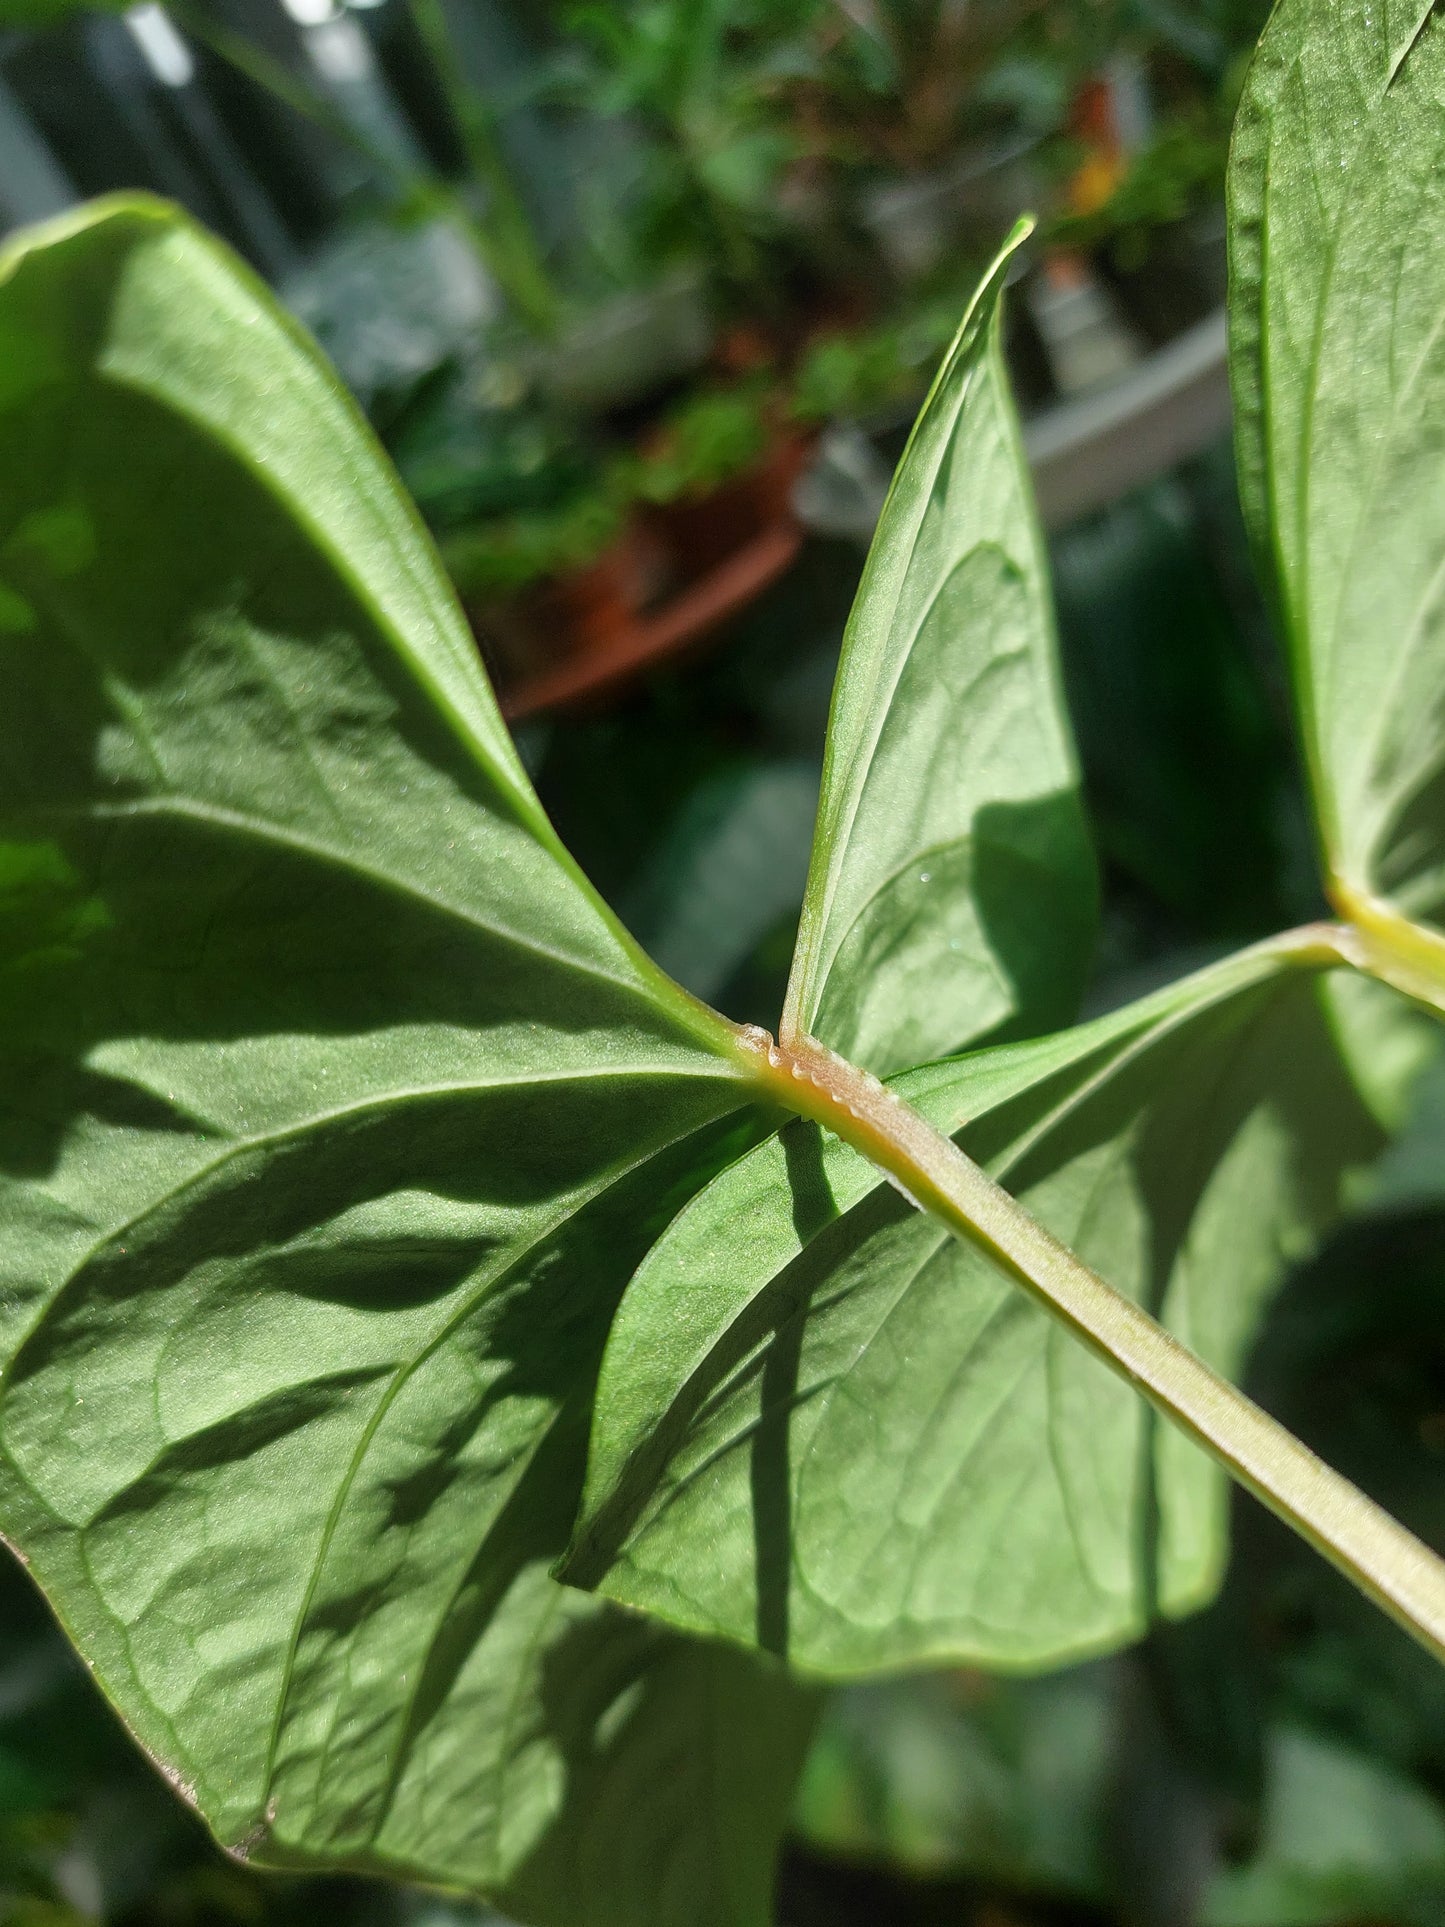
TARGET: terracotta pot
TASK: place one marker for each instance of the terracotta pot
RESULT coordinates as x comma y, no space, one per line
702,532
587,633
586,611
683,621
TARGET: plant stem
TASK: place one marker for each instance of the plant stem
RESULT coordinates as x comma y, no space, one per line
1385,1561
505,237
1378,940
275,78
424,189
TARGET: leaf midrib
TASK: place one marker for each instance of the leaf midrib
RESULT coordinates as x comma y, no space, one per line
490,757
1144,1040
320,1120
242,824
493,1278
839,828
486,1285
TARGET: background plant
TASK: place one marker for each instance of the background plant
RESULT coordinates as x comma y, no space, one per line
702,81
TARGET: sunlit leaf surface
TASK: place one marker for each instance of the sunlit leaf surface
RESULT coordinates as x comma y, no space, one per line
1337,222
864,1447
952,885
336,1111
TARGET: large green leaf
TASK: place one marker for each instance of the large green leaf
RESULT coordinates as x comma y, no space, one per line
952,885
864,1447
1338,216
336,1112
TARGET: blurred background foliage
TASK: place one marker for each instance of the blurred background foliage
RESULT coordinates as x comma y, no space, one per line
642,296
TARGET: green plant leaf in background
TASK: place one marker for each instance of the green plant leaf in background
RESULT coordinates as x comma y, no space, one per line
49,13
337,1110
1338,208
966,1772
952,889
730,870
1345,1837
1018,1781
865,1448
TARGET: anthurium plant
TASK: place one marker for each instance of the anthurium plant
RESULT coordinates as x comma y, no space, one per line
462,1395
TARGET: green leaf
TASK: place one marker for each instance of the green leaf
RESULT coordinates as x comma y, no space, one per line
337,1110
683,1764
1001,1780
49,13
952,889
864,1447
1338,197
729,870
1345,1837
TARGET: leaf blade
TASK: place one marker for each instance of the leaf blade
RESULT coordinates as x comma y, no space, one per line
337,1109
1336,362
891,1456
951,889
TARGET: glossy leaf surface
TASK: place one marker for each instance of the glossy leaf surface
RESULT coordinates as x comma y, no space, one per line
952,884
1338,214
865,1447
336,1112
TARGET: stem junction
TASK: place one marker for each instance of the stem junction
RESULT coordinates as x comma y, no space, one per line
1385,1561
